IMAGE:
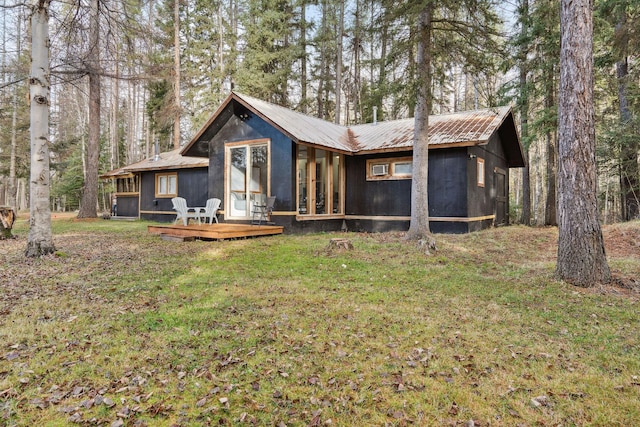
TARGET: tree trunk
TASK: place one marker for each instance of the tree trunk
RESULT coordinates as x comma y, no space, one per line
419,225
39,240
176,66
89,203
629,170
339,63
581,254
524,114
550,211
303,56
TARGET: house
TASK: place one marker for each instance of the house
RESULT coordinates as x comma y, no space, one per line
327,176
144,189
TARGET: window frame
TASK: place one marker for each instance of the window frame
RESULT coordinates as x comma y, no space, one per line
168,176
480,172
333,159
391,169
248,191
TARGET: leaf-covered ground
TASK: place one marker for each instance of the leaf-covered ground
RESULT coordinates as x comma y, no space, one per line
122,328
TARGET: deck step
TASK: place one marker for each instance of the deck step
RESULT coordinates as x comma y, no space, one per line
176,238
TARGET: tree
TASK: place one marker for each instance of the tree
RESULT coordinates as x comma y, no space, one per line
581,254
89,202
176,78
523,104
40,239
419,225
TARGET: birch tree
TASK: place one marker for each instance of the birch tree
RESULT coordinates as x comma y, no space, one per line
40,239
581,253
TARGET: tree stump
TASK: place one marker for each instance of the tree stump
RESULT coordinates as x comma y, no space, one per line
339,243
7,218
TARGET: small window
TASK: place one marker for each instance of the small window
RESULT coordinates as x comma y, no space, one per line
166,184
402,169
480,172
390,168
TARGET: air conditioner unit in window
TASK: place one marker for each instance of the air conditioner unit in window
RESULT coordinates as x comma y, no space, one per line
380,170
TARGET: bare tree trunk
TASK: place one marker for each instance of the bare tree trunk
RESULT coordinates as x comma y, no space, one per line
550,212
40,239
629,170
89,203
176,66
419,226
339,63
524,115
303,58
581,254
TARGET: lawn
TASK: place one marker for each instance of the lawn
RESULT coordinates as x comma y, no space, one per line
121,328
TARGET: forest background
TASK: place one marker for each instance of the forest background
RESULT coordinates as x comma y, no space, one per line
332,59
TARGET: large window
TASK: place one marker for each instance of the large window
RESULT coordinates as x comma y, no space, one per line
166,184
320,182
390,168
246,177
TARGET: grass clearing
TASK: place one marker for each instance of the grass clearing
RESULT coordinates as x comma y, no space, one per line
123,328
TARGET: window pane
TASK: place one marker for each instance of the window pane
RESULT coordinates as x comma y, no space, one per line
302,179
402,168
321,181
337,208
238,174
162,185
173,187
259,173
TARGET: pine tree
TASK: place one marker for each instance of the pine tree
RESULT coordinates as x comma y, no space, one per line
581,254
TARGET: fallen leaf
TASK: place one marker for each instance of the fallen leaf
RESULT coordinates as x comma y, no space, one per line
12,356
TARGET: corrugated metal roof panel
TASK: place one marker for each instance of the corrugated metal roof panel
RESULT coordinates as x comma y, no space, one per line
300,127
472,127
168,160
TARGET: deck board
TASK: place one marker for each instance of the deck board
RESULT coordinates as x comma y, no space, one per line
216,231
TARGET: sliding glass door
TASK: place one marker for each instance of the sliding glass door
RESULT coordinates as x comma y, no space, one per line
246,177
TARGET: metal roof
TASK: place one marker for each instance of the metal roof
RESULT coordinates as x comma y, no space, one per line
456,129
168,160
299,126
463,128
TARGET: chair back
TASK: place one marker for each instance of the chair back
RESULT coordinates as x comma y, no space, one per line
179,204
271,201
211,208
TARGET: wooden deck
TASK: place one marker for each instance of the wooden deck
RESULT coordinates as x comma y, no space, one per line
214,231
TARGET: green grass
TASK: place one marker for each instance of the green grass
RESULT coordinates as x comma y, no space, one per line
279,330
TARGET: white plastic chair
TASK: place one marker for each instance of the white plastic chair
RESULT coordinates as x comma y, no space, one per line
184,212
210,210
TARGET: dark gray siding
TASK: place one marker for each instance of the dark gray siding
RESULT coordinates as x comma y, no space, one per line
192,185
127,206
282,152
482,200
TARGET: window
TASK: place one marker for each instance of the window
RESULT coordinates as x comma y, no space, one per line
320,182
391,168
166,184
480,169
128,184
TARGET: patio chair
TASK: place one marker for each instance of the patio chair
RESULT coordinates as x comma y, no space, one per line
262,210
184,212
210,210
